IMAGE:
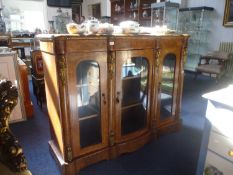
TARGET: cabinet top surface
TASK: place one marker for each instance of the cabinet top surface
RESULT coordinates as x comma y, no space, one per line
76,36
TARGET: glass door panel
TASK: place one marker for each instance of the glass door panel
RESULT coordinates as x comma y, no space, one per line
88,88
134,77
167,86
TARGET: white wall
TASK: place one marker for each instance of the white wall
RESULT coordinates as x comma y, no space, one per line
52,11
219,33
105,7
36,5
28,5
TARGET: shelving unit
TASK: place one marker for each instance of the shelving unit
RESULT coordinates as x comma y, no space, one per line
136,10
117,11
145,12
196,22
165,13
60,23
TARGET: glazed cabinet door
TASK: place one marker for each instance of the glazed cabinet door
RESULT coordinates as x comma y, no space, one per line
87,76
169,77
132,93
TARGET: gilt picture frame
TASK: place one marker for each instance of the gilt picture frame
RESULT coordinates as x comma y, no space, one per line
228,14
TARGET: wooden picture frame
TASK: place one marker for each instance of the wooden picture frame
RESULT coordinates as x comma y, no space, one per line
76,10
228,14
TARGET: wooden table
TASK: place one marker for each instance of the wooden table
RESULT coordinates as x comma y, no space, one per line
24,42
216,153
19,44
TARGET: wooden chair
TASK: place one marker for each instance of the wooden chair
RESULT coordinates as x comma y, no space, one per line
38,76
217,62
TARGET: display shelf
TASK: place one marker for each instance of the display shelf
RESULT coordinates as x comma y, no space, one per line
60,23
136,10
87,112
196,22
165,13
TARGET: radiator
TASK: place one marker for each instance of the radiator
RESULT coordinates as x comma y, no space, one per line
228,47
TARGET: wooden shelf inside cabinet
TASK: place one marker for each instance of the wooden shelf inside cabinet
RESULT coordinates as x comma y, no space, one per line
87,112
131,106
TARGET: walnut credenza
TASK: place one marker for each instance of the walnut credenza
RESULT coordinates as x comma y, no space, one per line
108,95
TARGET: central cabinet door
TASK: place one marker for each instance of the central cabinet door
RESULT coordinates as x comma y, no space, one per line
132,92
87,73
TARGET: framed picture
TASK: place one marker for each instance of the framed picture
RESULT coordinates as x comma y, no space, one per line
76,12
228,14
94,10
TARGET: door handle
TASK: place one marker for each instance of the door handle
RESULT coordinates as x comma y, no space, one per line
118,97
104,98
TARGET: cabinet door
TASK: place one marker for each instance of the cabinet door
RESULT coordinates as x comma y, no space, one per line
132,92
87,84
169,76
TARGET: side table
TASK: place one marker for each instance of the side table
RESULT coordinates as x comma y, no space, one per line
216,155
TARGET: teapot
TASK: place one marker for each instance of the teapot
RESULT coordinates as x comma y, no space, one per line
130,27
92,25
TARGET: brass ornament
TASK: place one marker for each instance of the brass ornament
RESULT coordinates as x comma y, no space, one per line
69,154
111,62
230,153
157,58
112,138
62,70
11,153
185,55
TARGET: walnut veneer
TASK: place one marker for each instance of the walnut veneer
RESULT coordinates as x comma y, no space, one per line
108,95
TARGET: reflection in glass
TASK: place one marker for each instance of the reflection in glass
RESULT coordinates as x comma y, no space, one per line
167,86
134,94
88,98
